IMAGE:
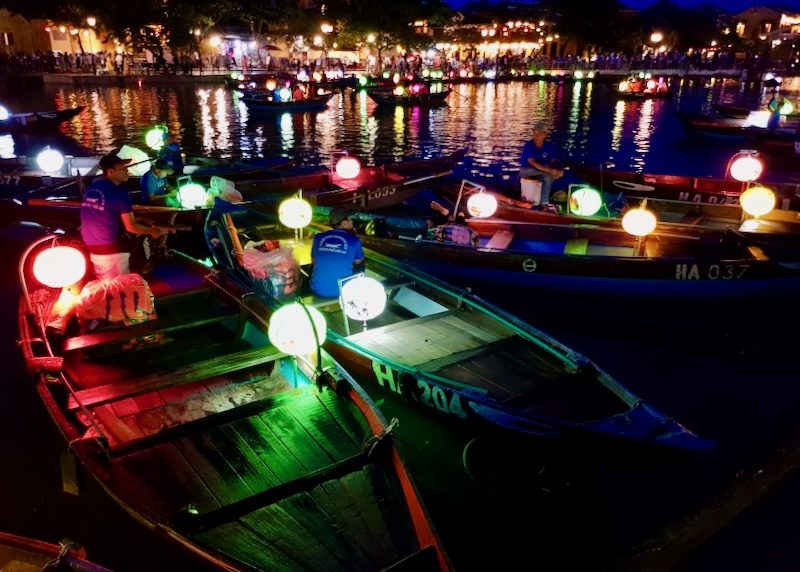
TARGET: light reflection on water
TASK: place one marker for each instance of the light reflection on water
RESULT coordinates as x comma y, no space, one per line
492,121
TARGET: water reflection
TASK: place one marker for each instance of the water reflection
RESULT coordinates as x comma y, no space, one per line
492,121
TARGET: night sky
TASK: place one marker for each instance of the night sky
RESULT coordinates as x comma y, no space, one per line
729,5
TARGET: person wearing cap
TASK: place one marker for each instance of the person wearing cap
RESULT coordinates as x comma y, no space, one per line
335,254
106,209
171,153
154,185
539,161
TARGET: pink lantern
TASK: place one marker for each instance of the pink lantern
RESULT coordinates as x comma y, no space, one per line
348,167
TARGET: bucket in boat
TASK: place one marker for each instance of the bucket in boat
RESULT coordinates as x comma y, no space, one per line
531,190
108,266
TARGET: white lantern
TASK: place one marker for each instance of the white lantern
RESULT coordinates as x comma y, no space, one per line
585,202
481,205
295,213
363,298
291,331
399,91
639,222
286,94
3,113
757,201
623,86
154,138
192,196
745,167
59,266
348,167
50,160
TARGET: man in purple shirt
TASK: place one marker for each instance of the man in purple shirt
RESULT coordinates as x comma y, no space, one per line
335,254
105,210
539,161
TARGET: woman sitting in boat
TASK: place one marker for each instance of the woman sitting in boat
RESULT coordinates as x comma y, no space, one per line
298,94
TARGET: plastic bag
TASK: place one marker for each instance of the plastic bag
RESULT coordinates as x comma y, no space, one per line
273,268
224,189
123,300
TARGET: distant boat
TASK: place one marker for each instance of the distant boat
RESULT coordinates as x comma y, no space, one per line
22,554
263,102
409,97
36,120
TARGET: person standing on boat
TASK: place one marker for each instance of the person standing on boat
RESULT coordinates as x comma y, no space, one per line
171,152
106,209
539,161
775,104
154,185
335,254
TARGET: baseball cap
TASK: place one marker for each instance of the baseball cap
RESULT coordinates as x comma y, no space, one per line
540,126
112,160
337,215
162,165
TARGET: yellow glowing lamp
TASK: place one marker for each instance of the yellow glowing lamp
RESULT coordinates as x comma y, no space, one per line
396,78
291,331
271,84
59,266
295,213
639,222
50,160
746,167
757,201
3,113
348,167
585,202
399,90
623,86
155,138
285,93
482,205
363,298
786,107
192,195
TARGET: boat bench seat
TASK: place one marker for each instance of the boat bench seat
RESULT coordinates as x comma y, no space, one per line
103,394
500,240
576,246
125,333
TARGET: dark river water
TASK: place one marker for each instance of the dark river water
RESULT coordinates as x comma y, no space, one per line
585,503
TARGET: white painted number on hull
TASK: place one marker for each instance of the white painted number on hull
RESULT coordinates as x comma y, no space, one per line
711,272
431,396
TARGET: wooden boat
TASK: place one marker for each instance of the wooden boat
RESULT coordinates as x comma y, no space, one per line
21,554
30,121
263,102
410,98
736,127
679,188
742,111
444,351
640,95
197,426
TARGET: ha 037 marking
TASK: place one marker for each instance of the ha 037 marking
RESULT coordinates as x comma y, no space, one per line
722,272
708,199
433,396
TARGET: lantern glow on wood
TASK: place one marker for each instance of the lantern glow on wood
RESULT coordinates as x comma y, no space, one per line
295,213
757,201
481,205
745,167
50,160
363,298
639,222
291,331
192,195
348,167
59,266
585,202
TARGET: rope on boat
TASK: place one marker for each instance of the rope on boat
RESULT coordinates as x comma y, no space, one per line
373,441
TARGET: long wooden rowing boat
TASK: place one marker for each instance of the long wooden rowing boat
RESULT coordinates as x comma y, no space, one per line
37,120
167,390
481,371
22,554
263,103
388,97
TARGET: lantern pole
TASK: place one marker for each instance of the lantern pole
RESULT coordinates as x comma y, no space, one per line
318,373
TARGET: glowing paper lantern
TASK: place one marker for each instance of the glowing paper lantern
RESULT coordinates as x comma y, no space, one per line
59,266
363,298
639,222
399,90
786,107
285,93
192,195
292,332
585,202
363,80
3,113
155,138
623,86
50,160
348,167
757,201
295,213
271,84
746,167
651,84
482,205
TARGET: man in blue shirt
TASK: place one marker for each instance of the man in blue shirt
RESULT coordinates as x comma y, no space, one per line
539,160
154,185
105,210
171,152
335,254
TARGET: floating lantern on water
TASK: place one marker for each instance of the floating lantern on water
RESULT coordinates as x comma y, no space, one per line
59,266
757,201
585,202
50,160
296,329
295,213
363,298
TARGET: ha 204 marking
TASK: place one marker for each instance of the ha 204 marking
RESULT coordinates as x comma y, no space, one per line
711,271
433,396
